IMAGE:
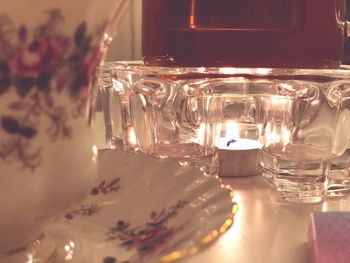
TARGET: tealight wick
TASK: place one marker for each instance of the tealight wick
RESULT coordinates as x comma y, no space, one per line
230,141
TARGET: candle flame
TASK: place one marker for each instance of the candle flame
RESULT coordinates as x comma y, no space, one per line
232,130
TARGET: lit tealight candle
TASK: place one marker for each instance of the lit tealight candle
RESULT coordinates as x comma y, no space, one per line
237,144
238,156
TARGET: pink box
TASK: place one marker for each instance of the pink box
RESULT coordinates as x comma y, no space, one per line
329,237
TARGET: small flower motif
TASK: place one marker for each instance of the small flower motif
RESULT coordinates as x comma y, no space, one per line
113,260
146,236
109,260
94,191
83,210
5,83
151,236
69,216
28,132
39,64
105,188
4,68
37,57
5,78
10,125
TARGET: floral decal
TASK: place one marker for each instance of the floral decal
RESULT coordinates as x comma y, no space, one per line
106,187
35,67
83,210
150,237
113,260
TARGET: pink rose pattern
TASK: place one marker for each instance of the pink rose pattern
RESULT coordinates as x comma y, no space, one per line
149,238
38,65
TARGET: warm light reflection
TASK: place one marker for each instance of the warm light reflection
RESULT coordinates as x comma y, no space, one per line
207,239
277,102
260,130
271,136
233,71
225,226
286,135
30,258
201,134
286,87
277,135
108,38
193,14
263,71
234,234
229,71
69,248
201,69
117,86
94,153
132,140
232,130
315,102
276,131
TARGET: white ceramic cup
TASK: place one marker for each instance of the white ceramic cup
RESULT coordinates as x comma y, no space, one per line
49,53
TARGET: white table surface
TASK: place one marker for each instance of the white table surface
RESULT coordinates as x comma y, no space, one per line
264,229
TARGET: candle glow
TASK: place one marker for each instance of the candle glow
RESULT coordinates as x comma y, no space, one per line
233,140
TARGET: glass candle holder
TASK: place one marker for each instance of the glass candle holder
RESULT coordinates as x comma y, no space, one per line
339,177
295,117
167,119
281,105
115,87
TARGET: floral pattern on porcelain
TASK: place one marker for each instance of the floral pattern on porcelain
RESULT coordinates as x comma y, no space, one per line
105,187
152,235
37,66
83,210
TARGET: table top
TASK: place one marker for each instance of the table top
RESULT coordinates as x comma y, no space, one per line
265,229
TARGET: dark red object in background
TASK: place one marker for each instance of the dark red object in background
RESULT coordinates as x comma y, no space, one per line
243,33
346,56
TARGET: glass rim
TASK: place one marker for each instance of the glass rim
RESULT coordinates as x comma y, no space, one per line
138,67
